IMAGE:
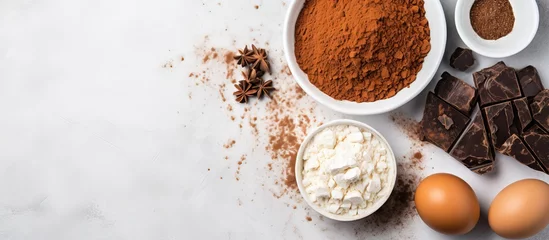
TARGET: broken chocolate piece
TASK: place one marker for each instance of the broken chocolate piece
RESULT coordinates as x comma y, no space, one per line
522,113
496,84
515,148
535,129
474,149
540,109
457,93
530,82
446,121
462,59
539,144
500,119
433,130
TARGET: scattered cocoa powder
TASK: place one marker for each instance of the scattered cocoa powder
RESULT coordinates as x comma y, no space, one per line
418,156
407,125
222,95
229,144
229,64
362,50
309,218
399,210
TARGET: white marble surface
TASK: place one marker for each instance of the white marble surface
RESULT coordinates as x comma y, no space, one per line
99,141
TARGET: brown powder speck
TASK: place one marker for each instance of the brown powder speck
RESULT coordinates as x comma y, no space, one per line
239,162
418,156
208,169
286,70
294,207
214,56
230,65
256,7
229,144
226,157
168,65
221,178
230,108
309,218
222,96
232,118
206,59
182,59
191,74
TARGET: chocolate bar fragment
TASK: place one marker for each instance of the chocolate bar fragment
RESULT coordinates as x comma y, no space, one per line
539,144
457,93
500,118
442,124
522,113
535,129
462,59
530,81
474,149
515,148
496,84
540,109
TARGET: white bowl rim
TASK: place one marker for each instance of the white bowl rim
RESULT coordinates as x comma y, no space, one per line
299,167
366,109
487,53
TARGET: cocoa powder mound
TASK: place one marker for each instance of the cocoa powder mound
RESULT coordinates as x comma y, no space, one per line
362,50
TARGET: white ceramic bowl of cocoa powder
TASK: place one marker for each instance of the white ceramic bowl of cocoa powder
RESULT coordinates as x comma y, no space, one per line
525,27
437,24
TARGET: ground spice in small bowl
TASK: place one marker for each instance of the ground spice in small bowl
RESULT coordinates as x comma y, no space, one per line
362,50
492,19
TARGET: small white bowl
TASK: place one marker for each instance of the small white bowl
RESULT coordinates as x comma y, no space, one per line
299,168
526,25
437,24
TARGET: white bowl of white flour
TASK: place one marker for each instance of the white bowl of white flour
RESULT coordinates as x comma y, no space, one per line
345,170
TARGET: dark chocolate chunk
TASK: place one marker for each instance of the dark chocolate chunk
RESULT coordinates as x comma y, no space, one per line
474,149
529,81
539,144
540,109
514,147
433,130
462,59
500,119
496,84
457,93
522,113
535,129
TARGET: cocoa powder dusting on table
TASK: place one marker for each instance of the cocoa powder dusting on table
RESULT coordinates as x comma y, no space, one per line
229,64
399,210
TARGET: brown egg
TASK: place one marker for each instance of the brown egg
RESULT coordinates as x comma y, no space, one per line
447,204
521,209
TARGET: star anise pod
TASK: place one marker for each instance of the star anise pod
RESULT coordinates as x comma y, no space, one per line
245,58
252,76
260,59
244,90
264,88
